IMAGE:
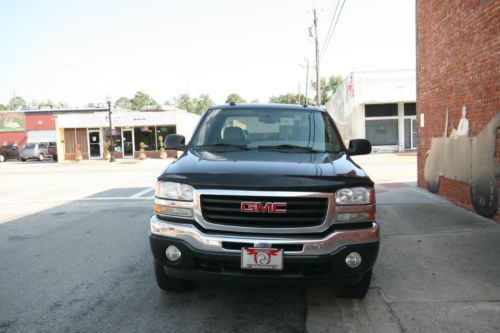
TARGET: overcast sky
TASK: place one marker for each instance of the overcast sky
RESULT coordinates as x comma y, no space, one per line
81,51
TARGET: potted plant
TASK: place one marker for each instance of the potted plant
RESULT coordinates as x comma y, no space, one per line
163,152
78,156
142,152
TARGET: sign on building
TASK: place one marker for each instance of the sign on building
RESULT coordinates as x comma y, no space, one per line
12,122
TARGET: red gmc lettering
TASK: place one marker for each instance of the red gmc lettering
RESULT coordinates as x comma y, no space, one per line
259,207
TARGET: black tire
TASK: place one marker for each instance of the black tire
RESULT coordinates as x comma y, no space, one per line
54,157
2,158
358,290
23,160
168,283
40,157
484,192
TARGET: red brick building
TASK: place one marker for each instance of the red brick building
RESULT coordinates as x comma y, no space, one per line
458,53
33,126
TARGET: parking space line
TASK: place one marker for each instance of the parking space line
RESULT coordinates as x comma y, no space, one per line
141,193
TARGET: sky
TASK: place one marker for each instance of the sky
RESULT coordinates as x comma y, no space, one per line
79,52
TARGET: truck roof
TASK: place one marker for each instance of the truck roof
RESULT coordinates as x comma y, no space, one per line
269,106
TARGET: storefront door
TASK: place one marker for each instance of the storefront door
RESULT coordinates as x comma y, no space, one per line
128,143
95,144
411,133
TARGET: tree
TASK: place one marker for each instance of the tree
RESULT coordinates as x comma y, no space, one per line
327,87
289,99
17,103
124,103
142,99
202,103
235,98
2,107
192,104
46,104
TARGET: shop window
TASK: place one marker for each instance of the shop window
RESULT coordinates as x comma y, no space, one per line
410,109
117,138
145,134
382,132
164,130
381,110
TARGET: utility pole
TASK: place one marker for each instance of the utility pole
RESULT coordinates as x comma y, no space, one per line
317,57
307,79
298,95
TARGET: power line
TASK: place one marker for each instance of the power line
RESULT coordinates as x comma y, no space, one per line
328,34
327,41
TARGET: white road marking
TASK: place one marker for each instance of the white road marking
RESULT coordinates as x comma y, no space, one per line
139,194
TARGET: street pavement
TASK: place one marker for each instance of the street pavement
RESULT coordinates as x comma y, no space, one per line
79,261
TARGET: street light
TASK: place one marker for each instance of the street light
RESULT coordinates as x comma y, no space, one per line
111,137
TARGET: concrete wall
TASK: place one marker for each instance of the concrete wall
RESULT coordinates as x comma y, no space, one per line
347,105
458,49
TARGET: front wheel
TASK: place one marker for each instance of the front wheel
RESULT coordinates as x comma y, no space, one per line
484,192
40,157
168,283
358,290
2,158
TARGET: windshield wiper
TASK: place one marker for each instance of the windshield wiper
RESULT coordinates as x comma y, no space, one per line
223,145
288,146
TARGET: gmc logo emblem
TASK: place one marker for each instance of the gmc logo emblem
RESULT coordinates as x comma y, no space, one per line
259,207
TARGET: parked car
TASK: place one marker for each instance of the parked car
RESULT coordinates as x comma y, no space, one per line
265,193
39,151
9,152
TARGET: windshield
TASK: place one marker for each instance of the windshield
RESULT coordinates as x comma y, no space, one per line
300,130
29,146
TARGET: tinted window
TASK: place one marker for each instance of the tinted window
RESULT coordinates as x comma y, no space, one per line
410,109
381,110
267,127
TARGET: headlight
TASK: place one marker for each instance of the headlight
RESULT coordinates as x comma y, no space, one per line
174,191
355,196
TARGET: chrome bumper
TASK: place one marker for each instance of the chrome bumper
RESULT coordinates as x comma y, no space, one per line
311,246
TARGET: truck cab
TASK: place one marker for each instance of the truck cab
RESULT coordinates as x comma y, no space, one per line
265,193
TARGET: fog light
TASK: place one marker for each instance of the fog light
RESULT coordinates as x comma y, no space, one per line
173,253
353,260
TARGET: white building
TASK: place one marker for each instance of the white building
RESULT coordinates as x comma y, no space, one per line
379,106
88,132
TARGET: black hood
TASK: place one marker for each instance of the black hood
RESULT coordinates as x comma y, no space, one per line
266,170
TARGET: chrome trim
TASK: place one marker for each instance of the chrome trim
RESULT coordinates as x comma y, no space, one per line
327,222
213,243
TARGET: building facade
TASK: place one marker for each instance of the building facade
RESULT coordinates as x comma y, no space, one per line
88,134
379,106
458,97
19,128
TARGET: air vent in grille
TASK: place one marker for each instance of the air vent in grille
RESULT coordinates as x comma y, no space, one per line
300,212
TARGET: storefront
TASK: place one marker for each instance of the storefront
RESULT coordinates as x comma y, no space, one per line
379,106
87,134
20,127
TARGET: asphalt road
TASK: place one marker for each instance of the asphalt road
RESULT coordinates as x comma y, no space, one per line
84,265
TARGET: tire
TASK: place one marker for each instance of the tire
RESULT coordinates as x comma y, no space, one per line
168,283
54,157
40,157
2,158
23,160
358,290
484,192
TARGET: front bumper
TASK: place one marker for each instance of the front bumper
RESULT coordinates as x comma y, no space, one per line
306,259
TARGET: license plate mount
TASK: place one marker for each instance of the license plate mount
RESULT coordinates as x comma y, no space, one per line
261,259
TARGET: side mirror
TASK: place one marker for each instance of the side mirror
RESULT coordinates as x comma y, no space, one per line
175,142
359,147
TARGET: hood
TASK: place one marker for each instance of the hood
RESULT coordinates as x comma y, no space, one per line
266,170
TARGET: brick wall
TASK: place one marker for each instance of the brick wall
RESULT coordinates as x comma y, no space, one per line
458,52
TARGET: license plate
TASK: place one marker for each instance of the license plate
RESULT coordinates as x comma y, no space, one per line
265,259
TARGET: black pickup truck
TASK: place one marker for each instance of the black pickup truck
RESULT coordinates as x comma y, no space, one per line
265,193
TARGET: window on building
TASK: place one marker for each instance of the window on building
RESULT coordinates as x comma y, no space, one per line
164,130
145,134
381,110
382,132
410,109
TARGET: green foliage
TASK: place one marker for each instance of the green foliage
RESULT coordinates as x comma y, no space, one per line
2,107
141,99
327,87
124,103
289,99
193,104
235,98
46,104
16,103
